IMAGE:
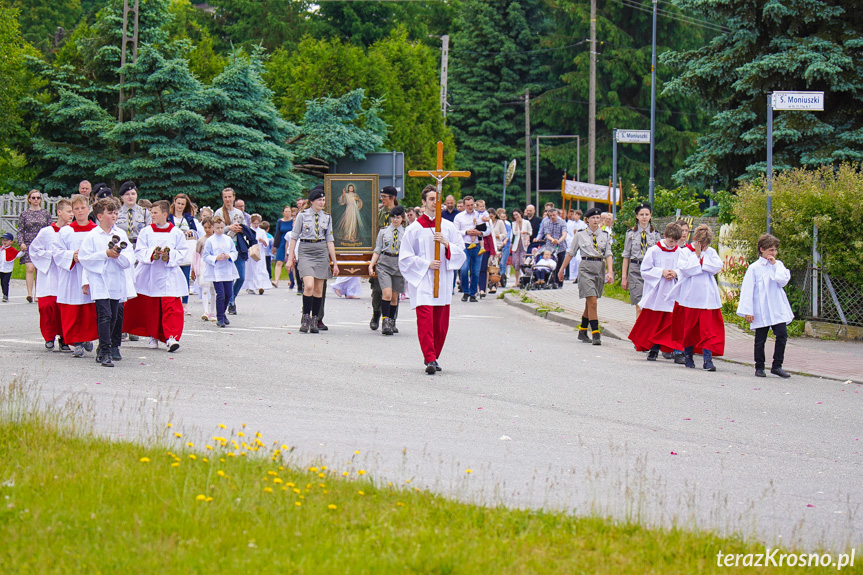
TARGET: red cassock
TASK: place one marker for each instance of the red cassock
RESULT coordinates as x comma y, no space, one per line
654,328
432,327
79,322
699,328
159,317
49,318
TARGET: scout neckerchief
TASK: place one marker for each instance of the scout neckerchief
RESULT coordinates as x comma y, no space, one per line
595,245
129,220
317,228
396,240
643,242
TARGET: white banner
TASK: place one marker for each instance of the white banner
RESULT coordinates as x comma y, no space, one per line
633,136
798,101
590,192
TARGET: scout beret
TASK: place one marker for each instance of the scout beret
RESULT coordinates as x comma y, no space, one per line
389,191
643,206
104,192
397,211
317,192
127,187
593,212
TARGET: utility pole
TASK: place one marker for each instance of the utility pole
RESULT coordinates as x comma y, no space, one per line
591,109
444,64
527,145
652,182
123,46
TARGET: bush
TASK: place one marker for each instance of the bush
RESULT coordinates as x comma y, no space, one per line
830,197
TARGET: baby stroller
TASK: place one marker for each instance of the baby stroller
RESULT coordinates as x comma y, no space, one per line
527,281
494,279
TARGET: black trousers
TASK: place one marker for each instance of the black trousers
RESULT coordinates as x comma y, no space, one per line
109,322
4,282
560,255
482,285
780,330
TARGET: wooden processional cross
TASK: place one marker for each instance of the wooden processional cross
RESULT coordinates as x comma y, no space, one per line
439,176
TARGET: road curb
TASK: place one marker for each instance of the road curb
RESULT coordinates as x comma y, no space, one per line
558,317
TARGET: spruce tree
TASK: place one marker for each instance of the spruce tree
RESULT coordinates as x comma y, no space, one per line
491,65
813,45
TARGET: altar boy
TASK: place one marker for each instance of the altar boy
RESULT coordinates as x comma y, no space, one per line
417,264
158,310
107,256
77,310
41,251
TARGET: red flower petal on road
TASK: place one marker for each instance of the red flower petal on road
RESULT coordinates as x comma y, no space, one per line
673,453
809,505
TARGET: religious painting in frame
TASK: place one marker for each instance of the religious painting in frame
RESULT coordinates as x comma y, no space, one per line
352,201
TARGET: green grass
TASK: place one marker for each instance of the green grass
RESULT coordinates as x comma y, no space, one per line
71,502
613,290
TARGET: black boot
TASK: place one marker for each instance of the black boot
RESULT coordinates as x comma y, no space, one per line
321,325
582,335
652,354
313,324
687,357
305,322
596,339
708,360
387,329
376,320
395,317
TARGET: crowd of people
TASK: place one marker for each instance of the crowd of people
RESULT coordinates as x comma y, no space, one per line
116,267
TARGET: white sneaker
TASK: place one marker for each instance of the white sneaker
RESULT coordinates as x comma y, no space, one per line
154,343
172,344
205,317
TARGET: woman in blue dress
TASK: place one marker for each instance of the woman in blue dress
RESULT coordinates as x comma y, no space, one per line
283,230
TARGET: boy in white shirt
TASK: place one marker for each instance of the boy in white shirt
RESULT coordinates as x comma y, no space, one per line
219,256
544,267
697,321
77,310
41,252
8,255
158,310
765,306
107,256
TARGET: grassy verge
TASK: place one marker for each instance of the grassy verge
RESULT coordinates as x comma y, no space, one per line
71,502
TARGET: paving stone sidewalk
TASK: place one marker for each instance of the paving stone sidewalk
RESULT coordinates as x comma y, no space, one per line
831,359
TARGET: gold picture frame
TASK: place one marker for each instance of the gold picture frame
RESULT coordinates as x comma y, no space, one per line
352,202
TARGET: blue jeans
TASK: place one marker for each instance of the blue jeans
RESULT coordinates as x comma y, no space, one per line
470,268
504,269
187,270
223,291
238,283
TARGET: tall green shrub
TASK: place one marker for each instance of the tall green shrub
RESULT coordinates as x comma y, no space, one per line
831,198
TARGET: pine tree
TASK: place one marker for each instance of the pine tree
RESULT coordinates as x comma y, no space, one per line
491,65
812,45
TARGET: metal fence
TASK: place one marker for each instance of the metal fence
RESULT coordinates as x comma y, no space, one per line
824,297
11,207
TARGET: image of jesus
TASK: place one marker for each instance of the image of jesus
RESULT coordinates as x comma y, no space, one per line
350,224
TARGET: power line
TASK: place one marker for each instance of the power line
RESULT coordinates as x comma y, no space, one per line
676,16
517,51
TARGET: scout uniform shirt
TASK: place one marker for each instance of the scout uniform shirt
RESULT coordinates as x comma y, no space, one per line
638,242
132,220
389,240
383,217
313,226
593,246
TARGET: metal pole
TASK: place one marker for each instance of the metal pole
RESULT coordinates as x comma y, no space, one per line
591,100
578,162
816,264
537,173
653,111
769,158
504,184
613,171
527,145
444,64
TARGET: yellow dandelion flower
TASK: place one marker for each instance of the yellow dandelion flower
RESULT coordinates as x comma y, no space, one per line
175,464
321,485
190,444
201,497
145,460
361,492
290,484
222,426
277,480
357,452
271,472
268,489
193,456
324,467
322,475
298,503
468,470
295,490
240,434
170,425
281,468
244,426
308,485
400,504
208,499
230,454
389,483
313,469
345,473
258,434
178,434
210,447
222,459
407,480
361,472
284,446
332,506
220,473
205,460
284,488
325,491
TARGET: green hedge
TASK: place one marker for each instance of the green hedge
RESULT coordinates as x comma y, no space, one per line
828,196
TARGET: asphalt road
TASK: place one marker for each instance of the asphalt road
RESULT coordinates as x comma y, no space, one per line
540,419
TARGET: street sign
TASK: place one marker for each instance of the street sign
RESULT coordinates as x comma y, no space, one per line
798,101
633,136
